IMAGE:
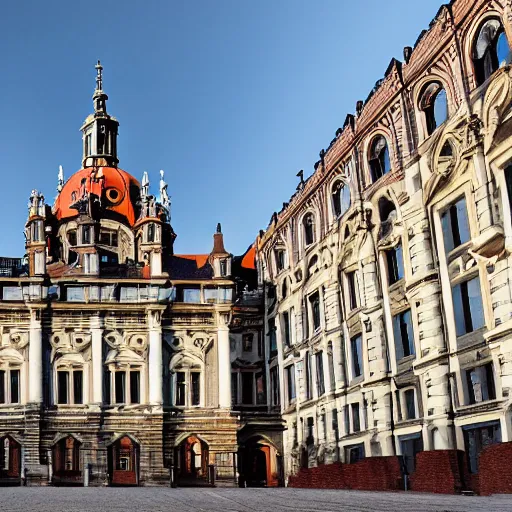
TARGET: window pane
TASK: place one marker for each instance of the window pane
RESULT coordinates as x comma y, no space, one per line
357,356
503,50
290,372
195,387
62,387
120,385
475,304
399,261
397,334
135,387
210,295
320,385
247,387
78,386
356,420
191,295
447,231
458,310
410,404
15,386
180,388
462,221
440,108
406,333
261,391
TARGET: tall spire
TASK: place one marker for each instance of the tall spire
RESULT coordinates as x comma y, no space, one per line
100,129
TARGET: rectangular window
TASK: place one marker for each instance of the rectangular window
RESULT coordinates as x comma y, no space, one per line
223,268
120,387
480,382
356,344
234,388
356,419
247,388
75,294
403,333
191,295
274,386
261,390
354,453
320,383
2,387
308,376
286,326
280,259
334,425
62,387
310,432
290,377
195,387
78,386
12,293
180,388
395,262
272,336
410,404
314,301
477,437
330,362
455,225
352,290
468,306
247,340
15,386
135,387
86,234
411,446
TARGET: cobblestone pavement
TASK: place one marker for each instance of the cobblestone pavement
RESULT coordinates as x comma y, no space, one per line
145,499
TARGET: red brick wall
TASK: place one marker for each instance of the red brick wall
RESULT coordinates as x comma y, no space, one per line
494,469
370,474
438,471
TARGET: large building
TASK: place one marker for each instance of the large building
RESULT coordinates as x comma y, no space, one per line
388,273
370,323
116,353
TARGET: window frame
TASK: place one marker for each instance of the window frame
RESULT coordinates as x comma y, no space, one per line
127,369
6,385
70,371
371,158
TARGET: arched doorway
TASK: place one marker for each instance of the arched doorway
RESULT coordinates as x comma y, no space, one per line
123,462
10,461
66,462
259,463
192,461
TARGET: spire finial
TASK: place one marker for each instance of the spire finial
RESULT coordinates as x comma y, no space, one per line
219,228
99,76
164,196
60,179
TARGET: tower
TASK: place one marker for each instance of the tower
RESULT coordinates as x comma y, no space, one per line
100,130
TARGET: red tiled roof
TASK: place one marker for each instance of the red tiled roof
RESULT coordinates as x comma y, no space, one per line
249,258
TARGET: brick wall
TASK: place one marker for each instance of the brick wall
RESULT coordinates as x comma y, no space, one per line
370,474
494,473
438,471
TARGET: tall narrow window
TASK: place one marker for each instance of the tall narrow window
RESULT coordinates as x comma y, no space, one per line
352,290
310,432
2,386
308,376
480,382
356,344
455,224
280,259
15,386
120,387
468,306
286,325
379,158
78,386
309,229
180,389
272,336
151,232
410,404
395,263
356,419
340,198
491,50
234,388
86,234
434,105
195,388
330,360
134,387
320,383
62,387
314,301
290,375
261,389
274,385
247,388
404,337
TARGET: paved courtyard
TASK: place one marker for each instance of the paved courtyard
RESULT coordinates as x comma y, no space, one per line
51,499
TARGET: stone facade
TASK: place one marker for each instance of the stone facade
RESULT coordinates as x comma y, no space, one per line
387,274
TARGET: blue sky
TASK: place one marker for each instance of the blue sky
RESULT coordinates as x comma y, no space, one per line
230,97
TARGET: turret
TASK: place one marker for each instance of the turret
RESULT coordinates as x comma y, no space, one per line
220,259
35,237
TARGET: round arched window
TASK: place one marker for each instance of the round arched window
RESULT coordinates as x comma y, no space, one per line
434,104
379,158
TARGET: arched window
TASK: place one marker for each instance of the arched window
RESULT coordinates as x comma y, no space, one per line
491,50
309,229
340,198
434,104
379,158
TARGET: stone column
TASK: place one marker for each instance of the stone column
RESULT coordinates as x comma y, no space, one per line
224,361
35,359
155,358
97,360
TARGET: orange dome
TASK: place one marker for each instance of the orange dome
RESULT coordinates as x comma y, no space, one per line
115,187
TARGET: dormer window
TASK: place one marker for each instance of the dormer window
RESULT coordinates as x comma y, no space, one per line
491,50
223,268
340,198
309,229
434,104
379,158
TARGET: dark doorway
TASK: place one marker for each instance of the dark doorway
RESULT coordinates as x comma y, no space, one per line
192,462
123,462
258,464
66,462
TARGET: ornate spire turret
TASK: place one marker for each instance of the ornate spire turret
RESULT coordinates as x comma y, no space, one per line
100,129
60,179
